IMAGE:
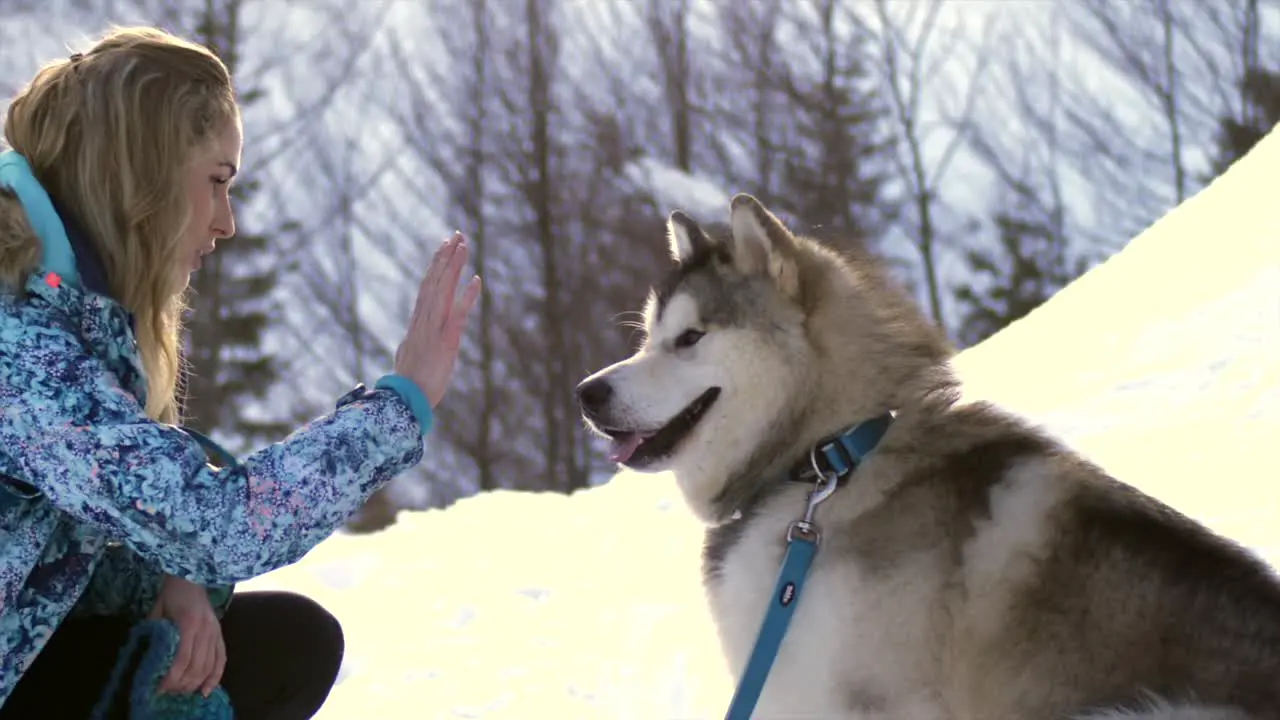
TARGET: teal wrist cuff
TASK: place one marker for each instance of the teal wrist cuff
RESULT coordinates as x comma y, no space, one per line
409,391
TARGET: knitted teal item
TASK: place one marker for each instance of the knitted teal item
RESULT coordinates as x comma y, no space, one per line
144,661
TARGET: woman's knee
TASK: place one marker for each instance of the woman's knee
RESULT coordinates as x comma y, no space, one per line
323,630
284,652
314,633
321,645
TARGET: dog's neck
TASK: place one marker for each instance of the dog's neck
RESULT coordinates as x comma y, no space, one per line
839,454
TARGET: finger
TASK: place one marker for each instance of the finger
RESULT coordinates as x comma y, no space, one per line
438,262
456,257
447,295
463,310
219,665
432,278
448,248
436,298
452,336
471,294
202,667
451,265
186,680
181,661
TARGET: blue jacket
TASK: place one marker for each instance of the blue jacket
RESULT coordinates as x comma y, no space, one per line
97,501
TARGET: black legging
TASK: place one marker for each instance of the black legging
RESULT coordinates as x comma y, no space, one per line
283,654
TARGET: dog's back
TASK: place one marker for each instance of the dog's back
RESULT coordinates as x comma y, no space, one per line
1070,592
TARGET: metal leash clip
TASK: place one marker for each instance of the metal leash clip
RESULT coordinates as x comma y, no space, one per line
823,488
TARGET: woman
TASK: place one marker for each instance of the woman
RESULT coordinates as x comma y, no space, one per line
115,187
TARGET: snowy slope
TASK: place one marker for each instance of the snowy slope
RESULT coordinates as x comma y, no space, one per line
1163,364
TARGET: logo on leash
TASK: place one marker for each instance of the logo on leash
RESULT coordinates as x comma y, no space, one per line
788,594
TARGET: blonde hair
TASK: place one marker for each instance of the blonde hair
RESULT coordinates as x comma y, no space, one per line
110,134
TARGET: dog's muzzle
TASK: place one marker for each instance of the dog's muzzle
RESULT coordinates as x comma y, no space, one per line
593,397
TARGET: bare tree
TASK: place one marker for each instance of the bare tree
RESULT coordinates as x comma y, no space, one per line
1141,41
752,120
668,25
534,176
232,303
449,120
1025,151
492,135
472,204
1144,129
909,68
836,148
1254,110
1032,256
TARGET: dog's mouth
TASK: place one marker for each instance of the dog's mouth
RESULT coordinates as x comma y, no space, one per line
637,448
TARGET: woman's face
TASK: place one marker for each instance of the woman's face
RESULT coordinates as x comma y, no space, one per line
208,185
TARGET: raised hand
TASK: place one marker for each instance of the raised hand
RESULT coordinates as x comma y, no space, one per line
430,347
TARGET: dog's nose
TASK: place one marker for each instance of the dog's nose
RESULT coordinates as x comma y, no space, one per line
593,395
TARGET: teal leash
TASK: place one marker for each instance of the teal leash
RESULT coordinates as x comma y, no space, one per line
843,454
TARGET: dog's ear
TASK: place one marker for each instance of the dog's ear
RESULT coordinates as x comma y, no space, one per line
762,244
685,237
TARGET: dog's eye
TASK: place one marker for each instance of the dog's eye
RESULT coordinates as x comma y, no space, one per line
689,338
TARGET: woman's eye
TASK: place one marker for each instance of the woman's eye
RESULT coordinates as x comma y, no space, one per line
689,338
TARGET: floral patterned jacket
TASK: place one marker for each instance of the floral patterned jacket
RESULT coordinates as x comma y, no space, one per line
98,502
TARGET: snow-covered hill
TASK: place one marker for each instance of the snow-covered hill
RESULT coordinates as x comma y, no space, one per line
1163,364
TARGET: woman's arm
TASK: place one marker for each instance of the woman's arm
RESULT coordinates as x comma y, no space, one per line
83,441
125,584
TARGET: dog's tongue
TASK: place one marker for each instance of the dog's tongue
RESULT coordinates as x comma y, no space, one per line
624,446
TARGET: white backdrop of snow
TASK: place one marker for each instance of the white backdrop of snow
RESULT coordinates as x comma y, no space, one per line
673,188
1162,364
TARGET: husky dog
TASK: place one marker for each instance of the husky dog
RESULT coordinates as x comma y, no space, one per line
971,567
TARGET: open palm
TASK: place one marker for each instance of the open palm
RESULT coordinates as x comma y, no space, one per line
430,347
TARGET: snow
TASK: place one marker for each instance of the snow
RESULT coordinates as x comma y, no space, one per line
1162,365
673,188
